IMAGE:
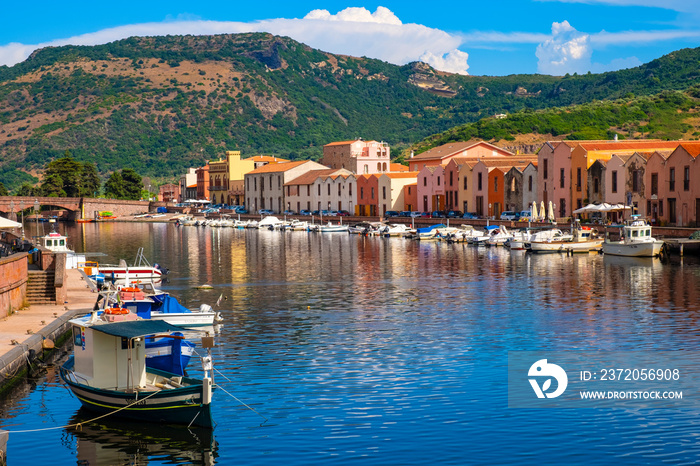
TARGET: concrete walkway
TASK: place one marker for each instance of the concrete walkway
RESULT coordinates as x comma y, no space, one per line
21,325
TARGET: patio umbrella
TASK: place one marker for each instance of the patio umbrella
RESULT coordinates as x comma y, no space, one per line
550,212
7,223
588,208
533,211
542,211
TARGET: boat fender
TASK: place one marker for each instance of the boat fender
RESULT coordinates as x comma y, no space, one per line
116,311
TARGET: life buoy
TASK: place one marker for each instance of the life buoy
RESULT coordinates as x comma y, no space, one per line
116,311
131,289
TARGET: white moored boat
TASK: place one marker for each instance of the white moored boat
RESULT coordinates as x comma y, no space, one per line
636,240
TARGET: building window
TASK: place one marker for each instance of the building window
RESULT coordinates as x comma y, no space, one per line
308,190
636,180
529,183
561,178
544,168
329,189
596,185
372,193
338,189
465,182
319,189
672,179
654,184
438,181
279,180
578,179
479,182
495,184
270,187
425,181
512,185
383,192
614,181
362,193
686,178
255,184
451,178
350,189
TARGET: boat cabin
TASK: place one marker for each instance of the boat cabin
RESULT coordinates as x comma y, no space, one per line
113,355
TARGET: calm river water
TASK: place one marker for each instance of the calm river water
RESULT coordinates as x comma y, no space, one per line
383,351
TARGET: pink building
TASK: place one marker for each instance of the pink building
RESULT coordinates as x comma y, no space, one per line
360,157
431,188
681,190
441,155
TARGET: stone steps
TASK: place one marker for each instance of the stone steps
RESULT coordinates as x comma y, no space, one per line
40,287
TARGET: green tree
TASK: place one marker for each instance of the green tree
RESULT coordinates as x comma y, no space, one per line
114,186
3,190
53,186
70,173
27,190
133,184
90,180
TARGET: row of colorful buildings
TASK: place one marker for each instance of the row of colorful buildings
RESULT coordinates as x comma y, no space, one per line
658,178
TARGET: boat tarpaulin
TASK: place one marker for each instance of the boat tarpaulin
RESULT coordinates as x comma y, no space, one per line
137,328
171,305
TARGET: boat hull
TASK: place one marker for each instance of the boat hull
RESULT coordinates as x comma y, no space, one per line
640,249
170,406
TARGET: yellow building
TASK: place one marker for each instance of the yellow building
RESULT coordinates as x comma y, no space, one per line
226,178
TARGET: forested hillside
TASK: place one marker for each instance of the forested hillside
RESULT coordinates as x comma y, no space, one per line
162,104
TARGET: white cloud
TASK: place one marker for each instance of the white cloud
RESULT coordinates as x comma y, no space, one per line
567,51
352,31
452,62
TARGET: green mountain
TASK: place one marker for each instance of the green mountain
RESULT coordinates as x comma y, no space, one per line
162,104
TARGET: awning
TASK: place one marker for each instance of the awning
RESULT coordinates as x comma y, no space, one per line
137,328
7,223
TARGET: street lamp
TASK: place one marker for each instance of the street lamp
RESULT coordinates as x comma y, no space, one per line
36,212
21,209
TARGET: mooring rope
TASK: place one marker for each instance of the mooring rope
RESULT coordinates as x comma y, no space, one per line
80,424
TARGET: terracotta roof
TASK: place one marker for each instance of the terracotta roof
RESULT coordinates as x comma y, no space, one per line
266,158
627,145
277,167
692,148
401,174
397,167
343,143
449,149
310,176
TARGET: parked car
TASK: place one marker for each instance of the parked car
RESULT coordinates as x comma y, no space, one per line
524,215
391,213
316,212
439,214
265,212
343,213
416,214
304,212
509,215
328,213
426,215
289,212
470,216
454,214
405,213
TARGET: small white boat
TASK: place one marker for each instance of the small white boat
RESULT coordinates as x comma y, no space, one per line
463,234
270,222
331,228
396,229
499,238
296,225
58,243
483,236
140,271
636,240
580,240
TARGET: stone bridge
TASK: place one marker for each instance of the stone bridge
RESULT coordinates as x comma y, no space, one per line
75,207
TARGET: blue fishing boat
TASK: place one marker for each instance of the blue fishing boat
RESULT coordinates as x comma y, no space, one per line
109,375
171,353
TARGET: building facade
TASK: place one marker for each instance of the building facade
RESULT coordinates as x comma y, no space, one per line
360,157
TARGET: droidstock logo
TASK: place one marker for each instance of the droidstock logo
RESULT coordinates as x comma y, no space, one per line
543,369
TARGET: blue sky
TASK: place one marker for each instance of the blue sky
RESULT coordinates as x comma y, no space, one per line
497,37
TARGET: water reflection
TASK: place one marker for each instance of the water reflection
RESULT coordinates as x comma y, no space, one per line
111,442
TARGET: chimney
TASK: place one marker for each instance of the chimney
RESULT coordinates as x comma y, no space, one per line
411,154
615,137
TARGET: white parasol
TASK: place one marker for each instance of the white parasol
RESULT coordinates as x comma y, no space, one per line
550,212
542,211
533,212
7,223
